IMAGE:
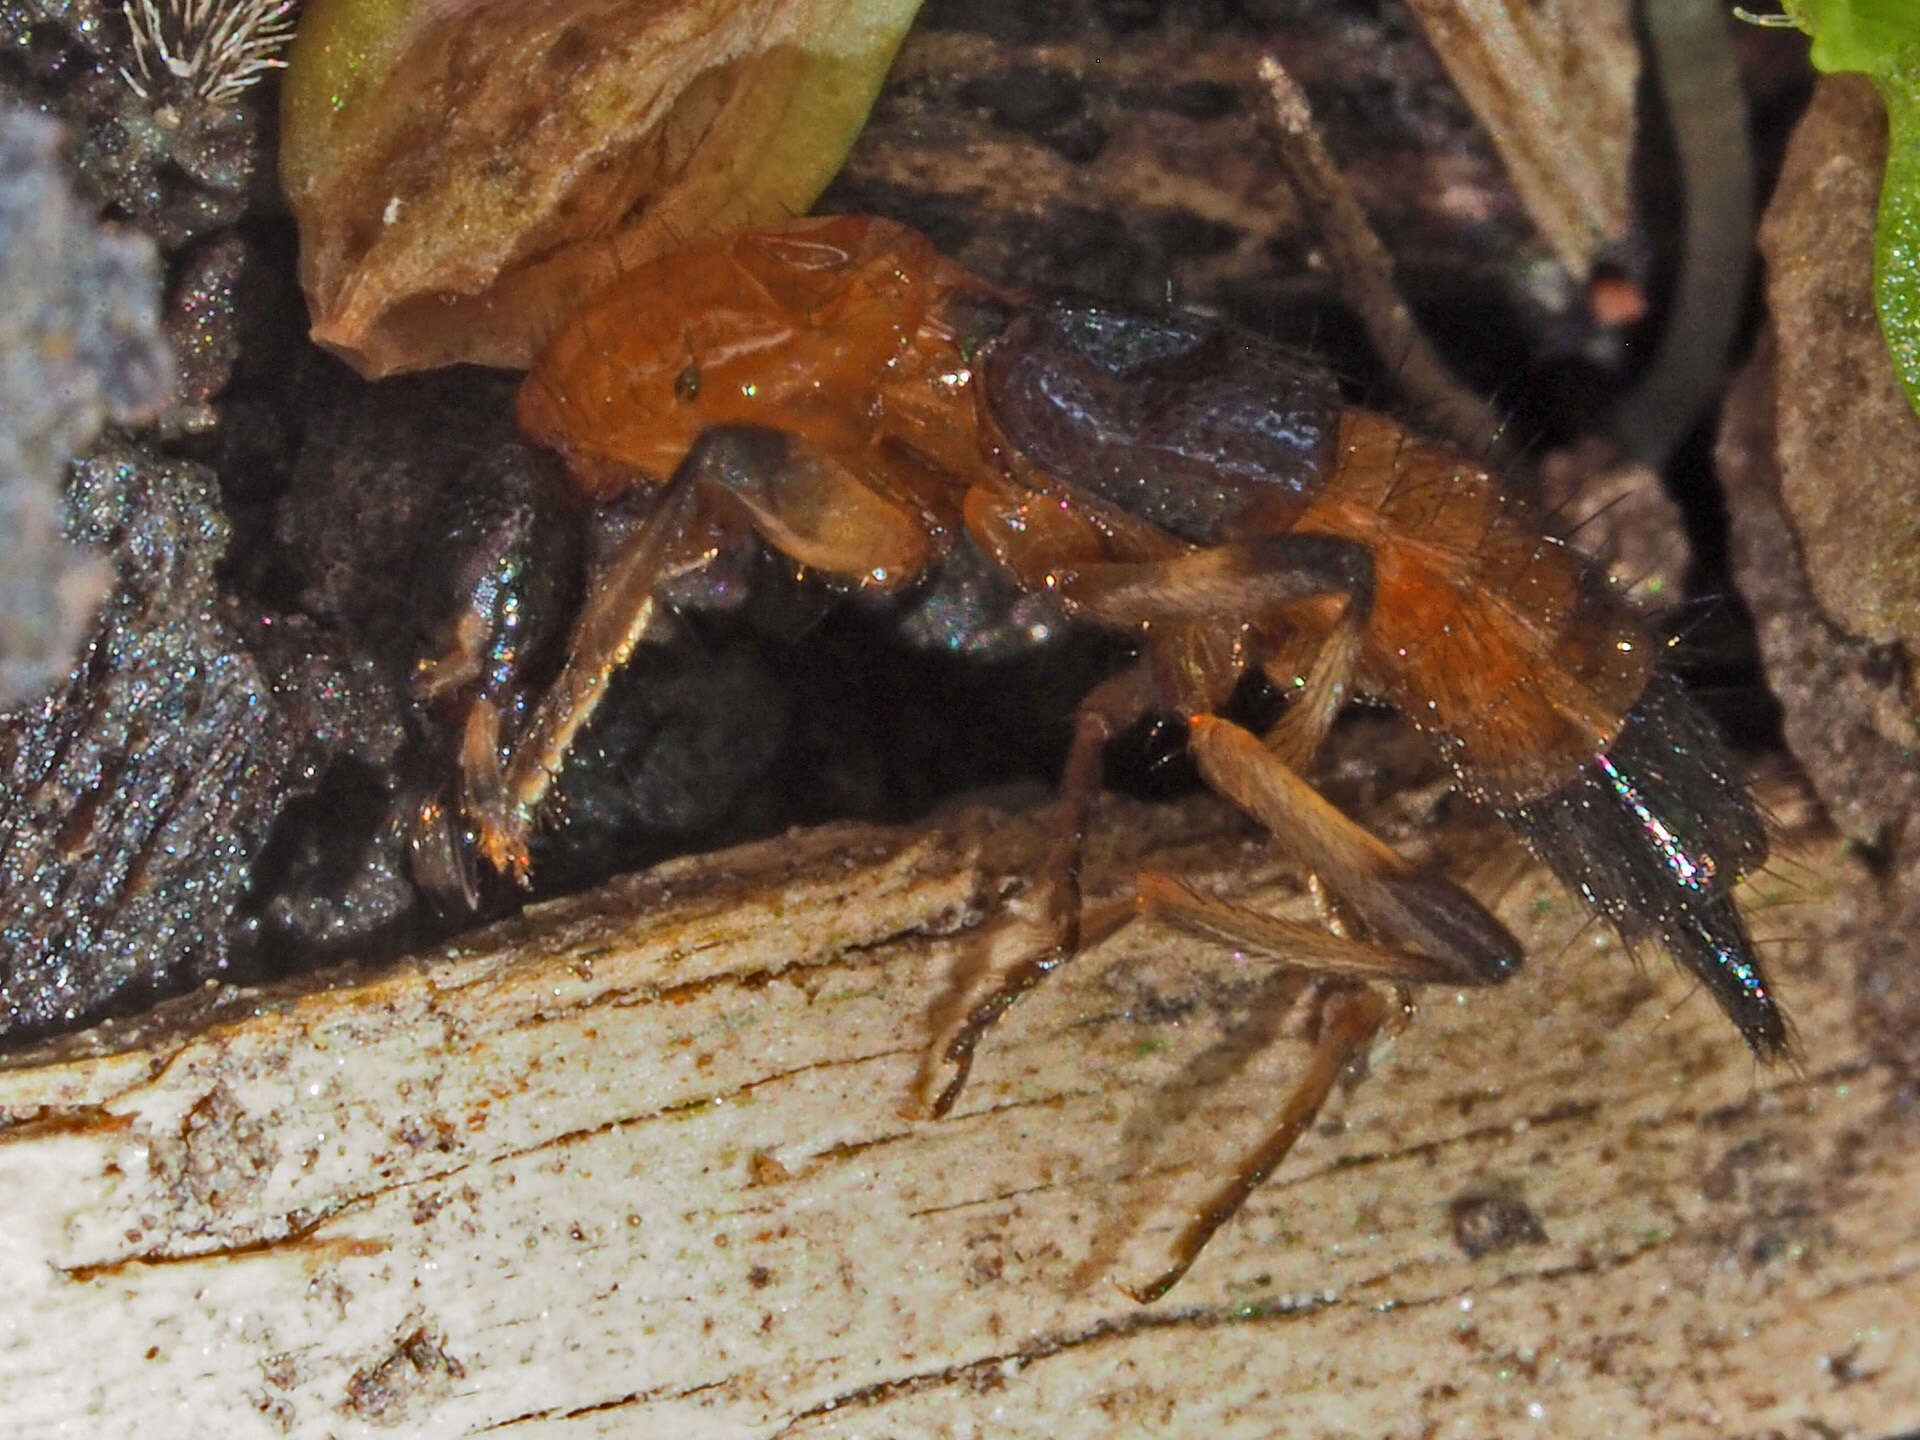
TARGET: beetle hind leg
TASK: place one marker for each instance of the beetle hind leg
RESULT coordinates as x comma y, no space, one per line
1419,928
1410,909
1350,1016
1298,734
1186,602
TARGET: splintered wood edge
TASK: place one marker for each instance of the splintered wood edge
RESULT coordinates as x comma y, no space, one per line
645,1162
1554,84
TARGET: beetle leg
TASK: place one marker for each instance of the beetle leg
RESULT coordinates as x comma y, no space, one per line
1253,580
1108,709
1408,908
616,614
1351,1015
1049,546
1425,931
1297,736
460,664
1429,931
483,790
1250,580
830,512
1348,971
1214,590
1237,583
819,509
483,784
1310,947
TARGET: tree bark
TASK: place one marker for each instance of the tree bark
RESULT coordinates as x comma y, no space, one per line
642,1162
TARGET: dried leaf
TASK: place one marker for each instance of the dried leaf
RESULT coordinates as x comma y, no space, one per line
465,173
1554,85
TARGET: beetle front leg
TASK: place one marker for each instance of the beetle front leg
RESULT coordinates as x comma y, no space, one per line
830,513
618,610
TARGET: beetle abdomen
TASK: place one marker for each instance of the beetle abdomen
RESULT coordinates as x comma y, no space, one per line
1502,641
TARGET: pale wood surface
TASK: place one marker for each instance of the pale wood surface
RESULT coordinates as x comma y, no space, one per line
638,1164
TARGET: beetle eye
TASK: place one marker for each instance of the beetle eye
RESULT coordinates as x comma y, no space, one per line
686,385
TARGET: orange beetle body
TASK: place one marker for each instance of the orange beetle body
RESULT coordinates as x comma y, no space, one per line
834,330
837,390
855,335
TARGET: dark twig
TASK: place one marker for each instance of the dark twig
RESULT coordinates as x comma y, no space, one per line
1363,270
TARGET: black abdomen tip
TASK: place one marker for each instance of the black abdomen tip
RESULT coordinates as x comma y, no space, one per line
1655,834
1717,948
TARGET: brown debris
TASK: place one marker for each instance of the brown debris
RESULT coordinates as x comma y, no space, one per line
1848,441
572,139
1554,85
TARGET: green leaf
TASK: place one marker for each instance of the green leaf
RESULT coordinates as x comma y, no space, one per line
1881,39
1861,35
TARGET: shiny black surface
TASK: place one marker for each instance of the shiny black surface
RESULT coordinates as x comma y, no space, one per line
1655,834
1178,421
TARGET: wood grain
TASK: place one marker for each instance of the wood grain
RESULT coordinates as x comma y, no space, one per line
641,1163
